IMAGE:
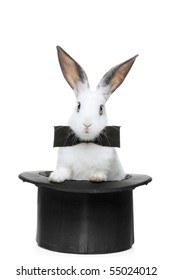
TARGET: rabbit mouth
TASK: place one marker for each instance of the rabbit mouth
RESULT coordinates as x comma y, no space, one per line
86,131
86,135
87,128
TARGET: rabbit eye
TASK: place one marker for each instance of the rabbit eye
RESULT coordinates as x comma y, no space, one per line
101,110
78,106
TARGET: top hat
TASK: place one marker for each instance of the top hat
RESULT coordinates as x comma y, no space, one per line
81,216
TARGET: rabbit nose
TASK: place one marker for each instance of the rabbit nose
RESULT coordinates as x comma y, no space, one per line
87,125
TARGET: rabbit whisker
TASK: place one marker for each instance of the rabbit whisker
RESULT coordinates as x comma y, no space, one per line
69,134
104,133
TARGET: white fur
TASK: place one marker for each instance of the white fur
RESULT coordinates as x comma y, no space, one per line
87,161
89,114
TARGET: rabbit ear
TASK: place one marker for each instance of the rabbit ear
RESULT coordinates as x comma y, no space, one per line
72,71
115,76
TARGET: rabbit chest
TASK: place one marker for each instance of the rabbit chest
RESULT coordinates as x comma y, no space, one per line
84,158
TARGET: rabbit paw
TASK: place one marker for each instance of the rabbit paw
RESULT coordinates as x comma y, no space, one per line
59,175
98,176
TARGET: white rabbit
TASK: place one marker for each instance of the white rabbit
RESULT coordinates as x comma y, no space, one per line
89,161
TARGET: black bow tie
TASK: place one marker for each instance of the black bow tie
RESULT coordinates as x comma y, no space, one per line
65,136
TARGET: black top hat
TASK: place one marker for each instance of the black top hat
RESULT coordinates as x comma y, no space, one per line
81,216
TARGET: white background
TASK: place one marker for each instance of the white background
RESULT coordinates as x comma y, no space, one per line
35,97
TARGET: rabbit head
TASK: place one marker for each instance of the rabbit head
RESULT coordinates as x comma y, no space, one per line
89,117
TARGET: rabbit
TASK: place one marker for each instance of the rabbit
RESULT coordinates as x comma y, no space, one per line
89,161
